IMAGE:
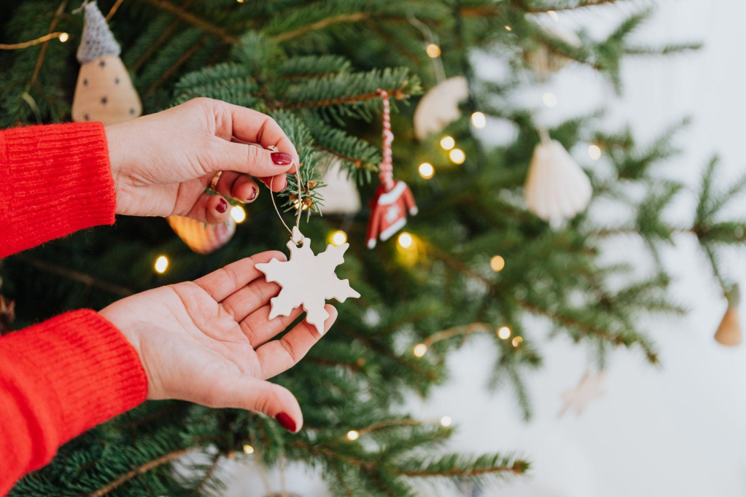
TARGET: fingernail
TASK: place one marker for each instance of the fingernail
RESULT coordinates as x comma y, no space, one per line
281,159
222,206
286,422
252,195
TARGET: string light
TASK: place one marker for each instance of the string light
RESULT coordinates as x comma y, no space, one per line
248,449
553,15
517,341
433,50
550,99
508,28
457,156
240,1
63,37
353,435
238,214
161,264
478,120
504,332
426,170
497,263
338,238
446,421
420,349
447,142
405,240
594,152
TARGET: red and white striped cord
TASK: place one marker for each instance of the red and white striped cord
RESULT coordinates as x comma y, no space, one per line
386,173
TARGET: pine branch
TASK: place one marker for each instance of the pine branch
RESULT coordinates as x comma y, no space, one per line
192,19
86,279
359,16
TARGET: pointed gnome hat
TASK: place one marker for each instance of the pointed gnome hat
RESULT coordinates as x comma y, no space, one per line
729,331
98,40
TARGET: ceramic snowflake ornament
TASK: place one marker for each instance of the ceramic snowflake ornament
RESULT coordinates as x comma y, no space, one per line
308,280
578,398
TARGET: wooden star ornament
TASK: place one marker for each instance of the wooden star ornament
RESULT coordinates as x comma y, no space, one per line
578,398
308,280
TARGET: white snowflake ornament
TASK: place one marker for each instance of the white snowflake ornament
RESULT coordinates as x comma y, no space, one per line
308,280
578,398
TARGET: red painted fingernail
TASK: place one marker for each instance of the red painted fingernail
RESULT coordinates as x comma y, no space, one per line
281,159
222,206
252,195
286,422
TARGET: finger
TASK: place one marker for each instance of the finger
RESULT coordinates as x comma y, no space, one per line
259,329
250,298
243,392
276,183
211,209
280,355
237,186
222,155
254,127
227,280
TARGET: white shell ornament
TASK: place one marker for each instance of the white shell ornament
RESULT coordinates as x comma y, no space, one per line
439,106
308,280
556,187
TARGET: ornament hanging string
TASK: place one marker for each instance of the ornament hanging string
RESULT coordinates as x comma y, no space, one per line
299,205
386,174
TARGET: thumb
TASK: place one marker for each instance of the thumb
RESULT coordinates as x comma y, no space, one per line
249,159
260,396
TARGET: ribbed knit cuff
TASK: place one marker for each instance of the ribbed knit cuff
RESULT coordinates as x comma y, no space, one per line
82,364
54,180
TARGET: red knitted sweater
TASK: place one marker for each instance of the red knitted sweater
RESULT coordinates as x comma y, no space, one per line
66,375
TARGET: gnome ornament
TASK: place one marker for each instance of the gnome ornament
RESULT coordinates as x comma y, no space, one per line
729,331
393,199
556,187
341,195
439,106
104,91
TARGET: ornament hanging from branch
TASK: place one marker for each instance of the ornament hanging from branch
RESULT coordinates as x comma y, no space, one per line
104,91
578,398
543,61
340,193
556,187
439,107
729,331
393,199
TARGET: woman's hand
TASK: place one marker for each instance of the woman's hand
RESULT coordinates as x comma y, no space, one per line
162,163
210,341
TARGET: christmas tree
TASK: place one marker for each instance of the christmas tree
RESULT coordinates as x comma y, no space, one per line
476,260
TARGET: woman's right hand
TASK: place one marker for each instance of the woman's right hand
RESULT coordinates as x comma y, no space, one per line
210,341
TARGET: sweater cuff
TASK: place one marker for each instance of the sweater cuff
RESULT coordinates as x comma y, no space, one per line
54,180
86,367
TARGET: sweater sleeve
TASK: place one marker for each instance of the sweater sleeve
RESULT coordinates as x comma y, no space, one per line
58,379
54,180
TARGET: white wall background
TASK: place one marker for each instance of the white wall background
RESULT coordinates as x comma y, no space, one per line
675,431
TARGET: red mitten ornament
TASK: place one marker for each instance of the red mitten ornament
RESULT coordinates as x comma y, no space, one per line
393,199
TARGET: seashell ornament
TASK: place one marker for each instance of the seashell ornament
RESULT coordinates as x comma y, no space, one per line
439,106
729,331
104,91
556,187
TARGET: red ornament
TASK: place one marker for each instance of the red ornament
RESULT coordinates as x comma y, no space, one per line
393,199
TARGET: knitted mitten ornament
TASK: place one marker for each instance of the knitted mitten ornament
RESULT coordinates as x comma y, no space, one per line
393,199
104,91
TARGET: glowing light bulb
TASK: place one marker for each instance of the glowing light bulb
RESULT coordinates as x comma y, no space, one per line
497,263
248,449
478,120
594,152
504,332
517,341
457,156
553,15
508,28
353,435
405,240
426,170
240,1
420,349
447,142
238,214
161,264
432,50
446,421
64,37
338,238
550,99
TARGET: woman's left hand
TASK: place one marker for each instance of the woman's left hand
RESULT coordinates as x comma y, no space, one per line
162,163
